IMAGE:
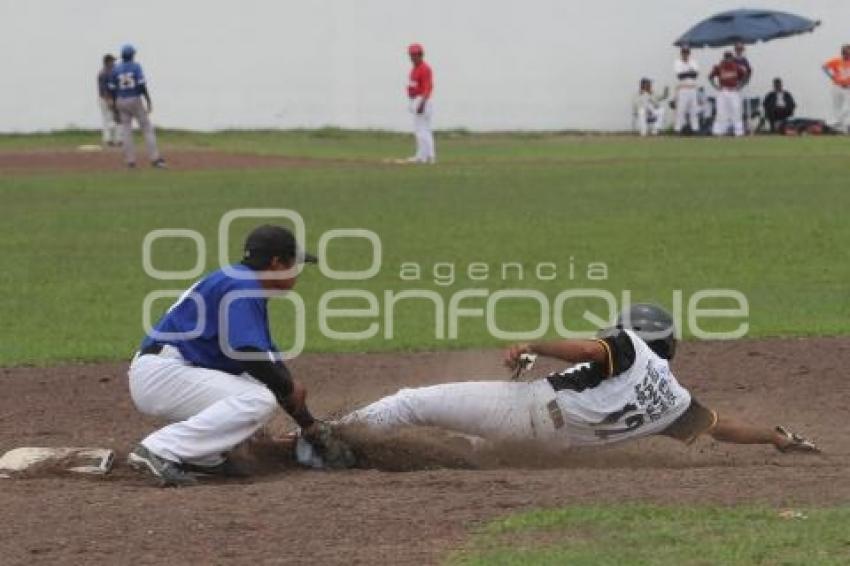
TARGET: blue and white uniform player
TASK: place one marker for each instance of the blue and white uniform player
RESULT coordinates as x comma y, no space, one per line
128,86
211,368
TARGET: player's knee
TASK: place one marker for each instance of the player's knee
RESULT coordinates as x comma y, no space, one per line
404,404
404,396
260,403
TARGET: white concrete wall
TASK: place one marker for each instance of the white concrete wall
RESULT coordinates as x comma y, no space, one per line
534,64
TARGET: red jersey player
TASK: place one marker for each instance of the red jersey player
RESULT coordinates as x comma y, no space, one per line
727,77
419,90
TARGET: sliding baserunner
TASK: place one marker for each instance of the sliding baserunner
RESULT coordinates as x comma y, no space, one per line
619,387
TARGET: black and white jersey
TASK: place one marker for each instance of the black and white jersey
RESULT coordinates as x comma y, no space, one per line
635,394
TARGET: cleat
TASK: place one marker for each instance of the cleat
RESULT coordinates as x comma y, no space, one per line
159,163
405,161
165,472
131,165
227,469
796,443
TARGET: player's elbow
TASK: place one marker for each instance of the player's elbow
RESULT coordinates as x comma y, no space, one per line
590,351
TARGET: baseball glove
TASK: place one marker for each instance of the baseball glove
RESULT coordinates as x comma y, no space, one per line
335,452
524,363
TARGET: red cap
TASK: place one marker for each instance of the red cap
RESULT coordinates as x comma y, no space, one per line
415,49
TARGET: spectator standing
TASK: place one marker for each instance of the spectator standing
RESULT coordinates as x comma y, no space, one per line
838,71
686,70
741,59
727,77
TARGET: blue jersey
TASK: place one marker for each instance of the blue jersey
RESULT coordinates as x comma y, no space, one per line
127,79
195,315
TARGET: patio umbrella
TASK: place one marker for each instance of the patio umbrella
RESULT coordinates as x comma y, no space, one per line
747,26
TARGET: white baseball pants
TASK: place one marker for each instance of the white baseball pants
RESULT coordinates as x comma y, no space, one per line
728,113
687,109
841,107
129,108
110,128
211,411
425,148
745,109
650,120
494,410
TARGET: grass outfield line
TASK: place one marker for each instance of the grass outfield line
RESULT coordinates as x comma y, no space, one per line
654,535
765,216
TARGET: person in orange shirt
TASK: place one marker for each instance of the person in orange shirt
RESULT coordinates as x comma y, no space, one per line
838,71
419,90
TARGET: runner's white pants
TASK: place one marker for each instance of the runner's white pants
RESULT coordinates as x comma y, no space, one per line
495,410
728,113
841,107
687,109
425,149
110,128
211,411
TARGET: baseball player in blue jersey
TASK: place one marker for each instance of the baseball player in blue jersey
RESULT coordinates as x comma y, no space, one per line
128,86
211,368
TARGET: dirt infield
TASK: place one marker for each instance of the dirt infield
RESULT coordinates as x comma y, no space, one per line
67,161
288,515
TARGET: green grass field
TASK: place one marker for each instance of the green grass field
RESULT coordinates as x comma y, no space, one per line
764,216
654,535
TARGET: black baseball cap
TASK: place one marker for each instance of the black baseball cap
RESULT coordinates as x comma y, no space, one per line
268,241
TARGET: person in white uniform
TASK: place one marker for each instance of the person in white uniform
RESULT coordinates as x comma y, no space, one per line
621,388
106,104
686,70
743,62
648,109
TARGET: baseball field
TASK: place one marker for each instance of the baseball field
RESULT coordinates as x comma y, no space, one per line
749,234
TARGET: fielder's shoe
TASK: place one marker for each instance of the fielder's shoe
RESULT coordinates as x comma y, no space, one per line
796,442
227,469
159,163
131,165
165,472
405,161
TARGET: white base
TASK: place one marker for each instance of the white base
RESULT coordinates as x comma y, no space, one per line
81,460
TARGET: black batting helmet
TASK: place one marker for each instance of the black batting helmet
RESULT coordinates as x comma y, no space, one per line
654,325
